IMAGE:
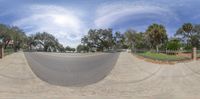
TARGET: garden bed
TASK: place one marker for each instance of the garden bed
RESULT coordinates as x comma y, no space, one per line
162,58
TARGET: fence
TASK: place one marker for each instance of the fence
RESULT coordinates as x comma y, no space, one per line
169,52
198,53
168,55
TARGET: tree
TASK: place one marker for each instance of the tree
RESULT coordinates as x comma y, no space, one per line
135,40
130,38
100,39
190,34
5,34
140,41
19,37
81,48
70,49
14,34
196,37
119,40
48,41
156,35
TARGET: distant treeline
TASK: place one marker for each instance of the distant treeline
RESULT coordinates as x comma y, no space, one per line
155,37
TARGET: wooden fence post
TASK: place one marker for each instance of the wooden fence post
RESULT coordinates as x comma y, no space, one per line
1,51
194,53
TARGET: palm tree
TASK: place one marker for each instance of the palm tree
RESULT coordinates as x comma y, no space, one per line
156,35
189,34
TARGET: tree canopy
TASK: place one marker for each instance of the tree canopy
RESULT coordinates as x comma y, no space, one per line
156,35
102,39
190,34
12,35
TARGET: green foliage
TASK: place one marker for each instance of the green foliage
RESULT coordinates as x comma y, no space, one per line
98,38
12,34
188,47
48,41
187,27
173,44
134,40
82,48
119,41
156,35
69,49
190,34
8,51
130,37
162,57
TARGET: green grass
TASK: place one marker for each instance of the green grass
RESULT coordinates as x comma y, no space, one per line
162,57
8,51
198,53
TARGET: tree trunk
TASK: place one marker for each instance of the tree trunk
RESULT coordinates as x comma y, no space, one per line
6,44
157,49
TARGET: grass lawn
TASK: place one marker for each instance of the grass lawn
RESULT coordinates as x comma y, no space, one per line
162,57
198,55
8,51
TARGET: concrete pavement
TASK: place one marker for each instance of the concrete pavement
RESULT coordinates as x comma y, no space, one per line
131,78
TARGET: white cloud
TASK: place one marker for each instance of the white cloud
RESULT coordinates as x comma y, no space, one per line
63,23
108,14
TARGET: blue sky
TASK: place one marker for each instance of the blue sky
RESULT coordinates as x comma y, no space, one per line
69,20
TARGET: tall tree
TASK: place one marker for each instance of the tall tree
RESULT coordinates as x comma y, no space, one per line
14,34
135,40
190,34
130,38
156,35
98,38
119,40
48,41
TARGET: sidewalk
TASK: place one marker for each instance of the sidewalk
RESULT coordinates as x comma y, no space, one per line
131,78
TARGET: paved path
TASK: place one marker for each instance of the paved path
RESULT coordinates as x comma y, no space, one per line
131,78
71,70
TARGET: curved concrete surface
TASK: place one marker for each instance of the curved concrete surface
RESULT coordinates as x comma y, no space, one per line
71,70
131,78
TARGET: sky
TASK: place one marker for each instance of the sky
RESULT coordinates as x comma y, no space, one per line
69,20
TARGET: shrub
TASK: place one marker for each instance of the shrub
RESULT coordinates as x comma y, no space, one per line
173,44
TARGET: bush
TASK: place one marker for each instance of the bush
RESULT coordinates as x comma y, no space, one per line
173,44
81,48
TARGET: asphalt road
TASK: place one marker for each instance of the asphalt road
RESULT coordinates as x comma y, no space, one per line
71,70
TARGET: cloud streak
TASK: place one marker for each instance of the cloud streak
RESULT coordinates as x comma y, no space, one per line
69,21
61,22
110,14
